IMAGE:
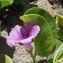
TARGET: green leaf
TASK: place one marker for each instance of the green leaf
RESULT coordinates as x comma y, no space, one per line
60,53
57,45
17,2
49,61
44,42
5,59
60,61
55,48
4,3
60,34
59,20
46,16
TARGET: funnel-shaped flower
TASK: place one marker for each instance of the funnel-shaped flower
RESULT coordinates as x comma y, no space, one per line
23,34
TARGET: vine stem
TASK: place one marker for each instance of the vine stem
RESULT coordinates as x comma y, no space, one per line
54,60
33,57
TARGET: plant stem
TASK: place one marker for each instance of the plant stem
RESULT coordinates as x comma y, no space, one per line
33,57
54,60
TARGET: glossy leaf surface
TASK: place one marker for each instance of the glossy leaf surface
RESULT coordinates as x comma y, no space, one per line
4,3
59,20
54,51
60,34
5,59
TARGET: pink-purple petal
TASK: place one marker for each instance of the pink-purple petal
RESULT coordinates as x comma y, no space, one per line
11,43
28,46
23,34
28,27
33,33
35,30
14,36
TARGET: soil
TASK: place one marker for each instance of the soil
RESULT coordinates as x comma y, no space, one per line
9,17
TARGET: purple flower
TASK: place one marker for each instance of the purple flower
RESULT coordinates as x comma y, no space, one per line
23,34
